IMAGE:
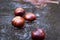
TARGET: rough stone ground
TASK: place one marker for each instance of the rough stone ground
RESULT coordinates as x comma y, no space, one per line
48,18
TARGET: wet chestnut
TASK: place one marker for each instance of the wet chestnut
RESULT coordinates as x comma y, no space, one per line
38,34
30,16
18,22
19,11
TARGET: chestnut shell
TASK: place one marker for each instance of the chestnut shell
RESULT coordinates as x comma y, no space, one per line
18,22
38,34
30,16
19,11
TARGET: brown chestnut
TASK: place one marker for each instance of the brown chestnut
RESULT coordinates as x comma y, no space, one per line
18,21
30,16
38,34
19,11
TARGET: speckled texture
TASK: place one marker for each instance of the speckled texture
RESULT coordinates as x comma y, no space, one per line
48,18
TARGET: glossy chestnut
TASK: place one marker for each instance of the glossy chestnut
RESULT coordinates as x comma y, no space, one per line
38,34
30,16
18,22
19,11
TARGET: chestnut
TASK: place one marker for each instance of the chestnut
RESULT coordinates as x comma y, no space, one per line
30,16
19,11
18,22
38,34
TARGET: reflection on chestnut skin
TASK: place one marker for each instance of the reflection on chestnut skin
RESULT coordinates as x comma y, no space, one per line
30,16
18,22
38,34
19,11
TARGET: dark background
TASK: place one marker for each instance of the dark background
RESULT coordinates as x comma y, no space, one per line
48,18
